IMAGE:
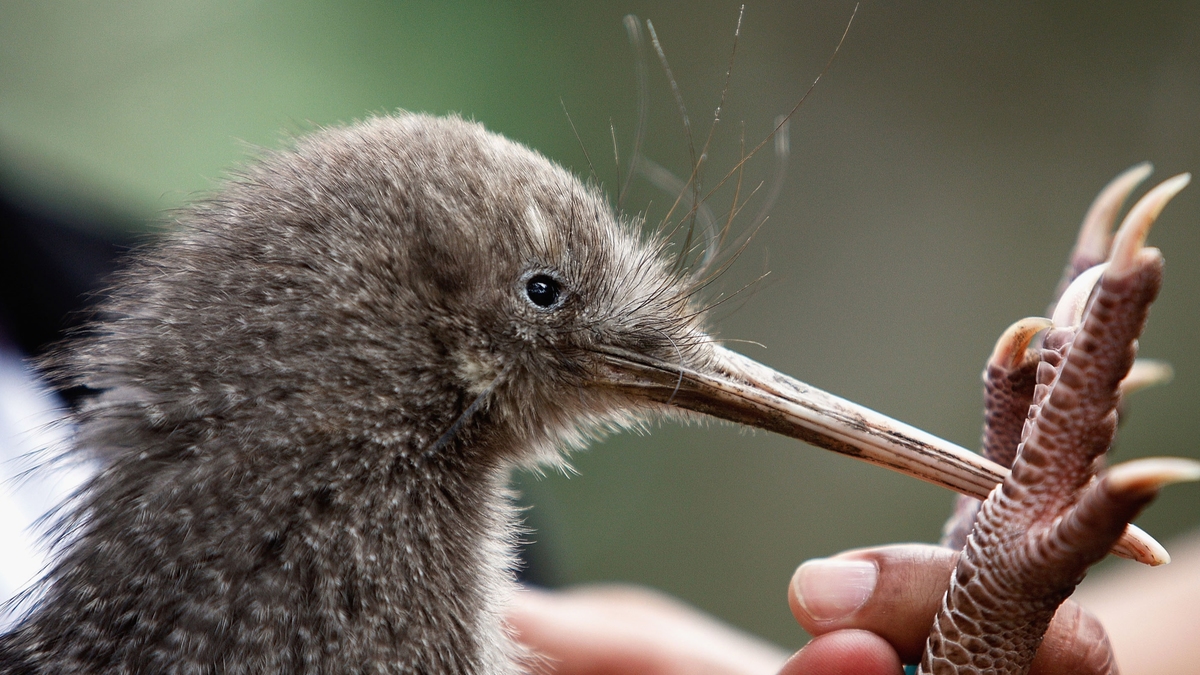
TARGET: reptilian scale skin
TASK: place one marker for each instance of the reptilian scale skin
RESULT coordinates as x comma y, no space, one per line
1007,395
1036,535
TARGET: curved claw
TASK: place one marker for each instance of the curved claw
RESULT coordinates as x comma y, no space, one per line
1071,306
1131,236
1146,373
1143,478
1009,352
1138,545
1094,235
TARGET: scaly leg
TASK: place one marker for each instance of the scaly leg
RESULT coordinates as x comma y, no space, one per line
1051,414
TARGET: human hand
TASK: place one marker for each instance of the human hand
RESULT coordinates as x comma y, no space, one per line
604,630
870,611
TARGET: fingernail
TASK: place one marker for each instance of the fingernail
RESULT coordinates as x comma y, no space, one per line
831,588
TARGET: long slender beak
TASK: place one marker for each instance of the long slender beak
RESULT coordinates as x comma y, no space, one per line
738,389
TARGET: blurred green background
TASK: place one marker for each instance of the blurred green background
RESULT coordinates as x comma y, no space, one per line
938,174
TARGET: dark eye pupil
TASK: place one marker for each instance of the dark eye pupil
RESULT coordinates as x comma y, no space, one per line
542,290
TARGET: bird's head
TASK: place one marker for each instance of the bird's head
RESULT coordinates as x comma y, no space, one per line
421,282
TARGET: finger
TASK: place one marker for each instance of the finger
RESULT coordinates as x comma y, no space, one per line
845,652
894,592
619,629
1075,644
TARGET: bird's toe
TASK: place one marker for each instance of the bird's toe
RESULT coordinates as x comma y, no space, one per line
1051,414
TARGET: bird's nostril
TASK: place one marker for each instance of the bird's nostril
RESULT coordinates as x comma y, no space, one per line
543,290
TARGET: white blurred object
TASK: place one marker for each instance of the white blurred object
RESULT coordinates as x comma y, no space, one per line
31,436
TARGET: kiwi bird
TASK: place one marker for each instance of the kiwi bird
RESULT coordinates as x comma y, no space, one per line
309,396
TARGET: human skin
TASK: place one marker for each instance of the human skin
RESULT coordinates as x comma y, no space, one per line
1151,615
889,626
1146,618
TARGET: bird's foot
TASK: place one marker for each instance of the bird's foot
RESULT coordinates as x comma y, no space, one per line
1051,414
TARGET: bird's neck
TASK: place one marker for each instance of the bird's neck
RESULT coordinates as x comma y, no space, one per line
350,558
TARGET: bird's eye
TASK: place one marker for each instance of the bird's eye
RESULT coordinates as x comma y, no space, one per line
543,290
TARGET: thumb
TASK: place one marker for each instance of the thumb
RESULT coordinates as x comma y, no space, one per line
895,591
891,591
